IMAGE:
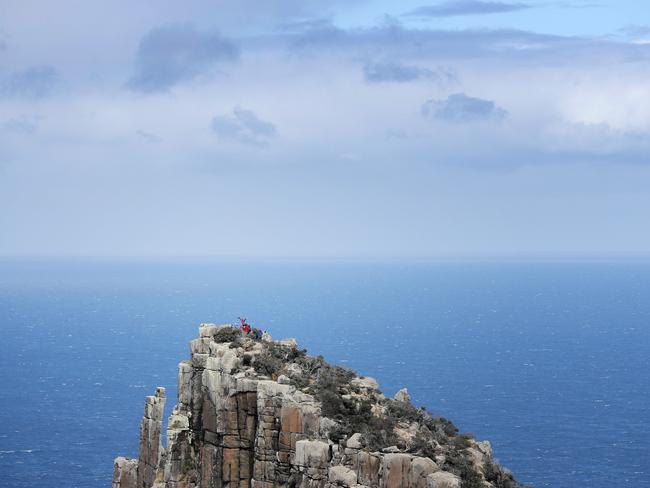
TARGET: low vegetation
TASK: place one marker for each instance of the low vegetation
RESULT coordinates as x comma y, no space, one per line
227,334
381,421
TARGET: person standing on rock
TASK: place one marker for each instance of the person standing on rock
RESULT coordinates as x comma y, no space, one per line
243,325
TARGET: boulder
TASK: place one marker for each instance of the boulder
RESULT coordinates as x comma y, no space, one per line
313,454
290,343
421,467
443,479
208,330
355,441
390,449
403,396
342,476
365,383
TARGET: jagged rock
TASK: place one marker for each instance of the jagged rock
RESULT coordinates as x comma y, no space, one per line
208,330
485,447
407,432
125,473
290,342
235,427
365,383
476,456
403,396
355,441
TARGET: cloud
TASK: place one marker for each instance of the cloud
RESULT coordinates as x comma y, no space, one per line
402,73
634,30
19,126
637,33
243,126
176,53
465,7
302,25
34,82
393,40
147,137
461,108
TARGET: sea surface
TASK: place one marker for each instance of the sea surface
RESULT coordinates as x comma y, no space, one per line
549,361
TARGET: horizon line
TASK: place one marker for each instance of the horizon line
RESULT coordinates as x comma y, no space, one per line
531,257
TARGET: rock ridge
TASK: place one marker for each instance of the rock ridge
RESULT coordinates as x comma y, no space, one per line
256,413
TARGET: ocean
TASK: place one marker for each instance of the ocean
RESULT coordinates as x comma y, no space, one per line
548,361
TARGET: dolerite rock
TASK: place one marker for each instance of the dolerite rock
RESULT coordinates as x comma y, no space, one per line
151,448
125,473
261,414
443,480
403,396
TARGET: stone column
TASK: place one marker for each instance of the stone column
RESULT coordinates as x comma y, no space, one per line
125,473
151,449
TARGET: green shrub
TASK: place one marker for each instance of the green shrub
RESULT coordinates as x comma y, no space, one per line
267,364
310,364
499,477
337,433
460,442
227,334
273,358
404,411
463,467
423,446
379,432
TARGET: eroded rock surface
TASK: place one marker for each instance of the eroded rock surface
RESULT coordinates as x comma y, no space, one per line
262,414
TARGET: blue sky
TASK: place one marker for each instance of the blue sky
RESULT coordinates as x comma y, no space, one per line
461,128
569,18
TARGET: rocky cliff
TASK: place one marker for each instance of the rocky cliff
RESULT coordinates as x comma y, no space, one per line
257,413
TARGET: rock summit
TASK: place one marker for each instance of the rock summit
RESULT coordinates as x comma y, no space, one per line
258,413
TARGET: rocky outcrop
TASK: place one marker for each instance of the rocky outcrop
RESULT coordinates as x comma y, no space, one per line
125,473
262,414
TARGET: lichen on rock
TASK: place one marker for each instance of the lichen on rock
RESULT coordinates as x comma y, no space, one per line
262,414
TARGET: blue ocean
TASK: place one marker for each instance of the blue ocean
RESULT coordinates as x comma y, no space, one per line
549,361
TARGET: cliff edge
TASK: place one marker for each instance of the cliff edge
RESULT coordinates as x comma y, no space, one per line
257,413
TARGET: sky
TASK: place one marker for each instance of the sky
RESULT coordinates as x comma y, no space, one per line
305,128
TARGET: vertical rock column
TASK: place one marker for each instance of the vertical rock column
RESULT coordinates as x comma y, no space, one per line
228,416
125,473
180,456
285,417
267,472
151,450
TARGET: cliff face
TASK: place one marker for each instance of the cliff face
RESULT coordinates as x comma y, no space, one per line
254,413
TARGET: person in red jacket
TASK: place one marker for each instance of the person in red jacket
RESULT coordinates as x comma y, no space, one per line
243,325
